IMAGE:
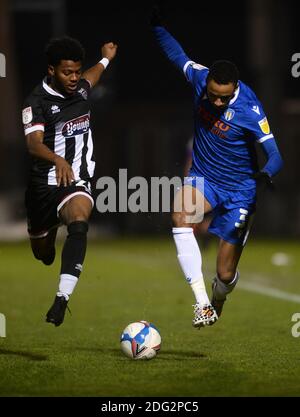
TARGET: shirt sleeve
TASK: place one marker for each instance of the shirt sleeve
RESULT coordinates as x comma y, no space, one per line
172,49
196,74
32,116
260,130
84,87
274,160
258,123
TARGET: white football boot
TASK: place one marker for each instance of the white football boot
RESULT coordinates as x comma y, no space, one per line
205,315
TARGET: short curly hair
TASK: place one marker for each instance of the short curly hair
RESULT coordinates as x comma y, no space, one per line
223,72
64,48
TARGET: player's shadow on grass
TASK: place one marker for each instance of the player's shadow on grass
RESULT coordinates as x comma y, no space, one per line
163,354
28,355
179,355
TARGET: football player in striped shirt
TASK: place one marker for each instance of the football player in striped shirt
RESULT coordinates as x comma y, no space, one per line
56,118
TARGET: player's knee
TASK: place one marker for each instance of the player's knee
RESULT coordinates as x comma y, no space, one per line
79,216
179,220
176,219
226,274
78,228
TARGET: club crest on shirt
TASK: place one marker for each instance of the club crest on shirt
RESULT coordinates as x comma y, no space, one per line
27,115
76,126
264,125
229,114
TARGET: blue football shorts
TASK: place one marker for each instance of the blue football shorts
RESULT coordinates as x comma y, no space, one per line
232,210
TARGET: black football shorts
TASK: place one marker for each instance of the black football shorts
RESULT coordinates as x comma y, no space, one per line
43,203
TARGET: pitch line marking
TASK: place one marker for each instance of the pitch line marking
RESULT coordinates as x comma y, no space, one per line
271,292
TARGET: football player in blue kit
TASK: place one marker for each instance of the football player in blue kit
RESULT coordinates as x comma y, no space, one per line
228,120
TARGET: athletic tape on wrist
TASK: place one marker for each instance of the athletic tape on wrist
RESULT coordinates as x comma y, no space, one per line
104,62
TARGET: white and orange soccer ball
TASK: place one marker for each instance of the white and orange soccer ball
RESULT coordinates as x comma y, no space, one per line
140,340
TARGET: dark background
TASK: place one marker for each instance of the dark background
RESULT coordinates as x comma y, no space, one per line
142,108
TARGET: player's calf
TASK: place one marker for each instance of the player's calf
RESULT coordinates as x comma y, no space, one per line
220,290
43,253
72,259
44,248
74,250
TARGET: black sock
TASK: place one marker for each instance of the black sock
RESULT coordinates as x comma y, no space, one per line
74,249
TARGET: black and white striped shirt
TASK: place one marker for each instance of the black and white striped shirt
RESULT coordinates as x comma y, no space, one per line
65,122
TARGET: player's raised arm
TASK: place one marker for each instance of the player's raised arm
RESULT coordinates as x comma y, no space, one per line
172,49
170,46
94,73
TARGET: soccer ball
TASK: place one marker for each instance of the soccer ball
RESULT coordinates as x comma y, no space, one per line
140,340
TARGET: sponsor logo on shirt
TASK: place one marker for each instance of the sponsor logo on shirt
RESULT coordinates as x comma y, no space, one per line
256,109
55,109
76,126
213,123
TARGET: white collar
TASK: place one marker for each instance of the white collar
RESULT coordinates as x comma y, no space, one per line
235,96
50,90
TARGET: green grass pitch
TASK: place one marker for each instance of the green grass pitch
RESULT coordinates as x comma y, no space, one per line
250,351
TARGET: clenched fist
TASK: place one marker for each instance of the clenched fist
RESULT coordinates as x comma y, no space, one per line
109,50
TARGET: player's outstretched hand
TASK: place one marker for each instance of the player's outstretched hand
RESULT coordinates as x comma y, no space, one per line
109,50
64,172
263,180
157,18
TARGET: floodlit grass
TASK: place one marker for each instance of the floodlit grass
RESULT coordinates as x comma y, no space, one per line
249,352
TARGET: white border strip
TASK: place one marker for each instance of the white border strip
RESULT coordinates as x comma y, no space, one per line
50,90
44,234
186,65
34,128
63,202
88,81
236,94
39,236
261,140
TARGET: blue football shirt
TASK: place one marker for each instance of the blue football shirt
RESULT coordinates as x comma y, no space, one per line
224,140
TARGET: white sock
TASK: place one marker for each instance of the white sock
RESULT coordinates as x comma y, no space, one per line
190,260
221,289
67,284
